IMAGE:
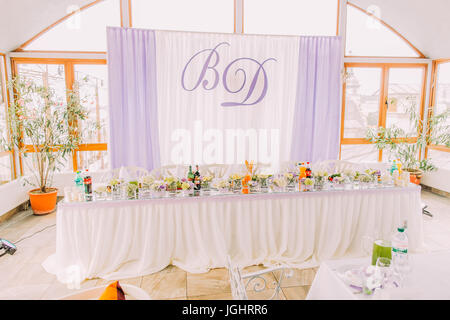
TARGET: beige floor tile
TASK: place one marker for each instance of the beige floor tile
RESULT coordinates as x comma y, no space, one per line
171,268
165,285
217,296
296,293
133,281
214,282
58,290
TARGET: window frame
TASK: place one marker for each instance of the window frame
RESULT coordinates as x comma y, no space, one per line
5,93
69,71
385,67
433,86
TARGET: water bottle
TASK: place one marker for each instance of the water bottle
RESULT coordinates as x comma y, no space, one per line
400,253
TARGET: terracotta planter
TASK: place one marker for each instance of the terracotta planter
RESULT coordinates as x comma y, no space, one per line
43,203
415,175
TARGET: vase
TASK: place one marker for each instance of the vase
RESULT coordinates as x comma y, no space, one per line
291,186
264,187
43,203
237,186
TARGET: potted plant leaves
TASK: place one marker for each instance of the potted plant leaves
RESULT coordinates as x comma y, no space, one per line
43,131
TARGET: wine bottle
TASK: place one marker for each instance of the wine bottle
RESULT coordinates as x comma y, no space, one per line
308,170
197,182
190,176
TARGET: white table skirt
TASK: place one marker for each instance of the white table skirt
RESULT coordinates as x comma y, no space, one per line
429,279
122,239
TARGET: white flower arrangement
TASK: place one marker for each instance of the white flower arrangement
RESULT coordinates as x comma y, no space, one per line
236,176
279,182
221,184
100,189
339,179
171,182
186,186
158,186
147,180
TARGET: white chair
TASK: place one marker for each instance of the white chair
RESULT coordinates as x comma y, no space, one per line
240,283
131,293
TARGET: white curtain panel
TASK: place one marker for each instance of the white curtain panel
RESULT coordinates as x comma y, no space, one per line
194,125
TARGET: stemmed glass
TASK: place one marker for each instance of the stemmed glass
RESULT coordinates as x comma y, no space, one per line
385,272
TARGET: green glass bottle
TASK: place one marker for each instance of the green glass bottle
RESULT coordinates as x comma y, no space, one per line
191,175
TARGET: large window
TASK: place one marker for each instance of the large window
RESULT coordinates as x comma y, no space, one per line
440,154
6,157
379,95
368,36
90,79
192,15
291,17
85,30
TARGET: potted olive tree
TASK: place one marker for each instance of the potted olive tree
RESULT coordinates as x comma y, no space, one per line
43,129
403,146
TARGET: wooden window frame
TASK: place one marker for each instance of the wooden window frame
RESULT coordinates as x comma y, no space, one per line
5,93
385,67
433,88
69,71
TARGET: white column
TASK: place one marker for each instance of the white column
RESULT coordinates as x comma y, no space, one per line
239,13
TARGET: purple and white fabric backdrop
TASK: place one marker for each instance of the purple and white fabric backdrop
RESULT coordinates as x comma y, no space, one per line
317,107
199,98
133,113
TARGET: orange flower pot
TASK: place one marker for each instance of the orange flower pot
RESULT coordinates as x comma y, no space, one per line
43,203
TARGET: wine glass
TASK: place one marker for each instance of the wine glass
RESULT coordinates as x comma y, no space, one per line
384,268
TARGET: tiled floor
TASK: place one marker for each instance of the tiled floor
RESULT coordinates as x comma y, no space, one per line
22,276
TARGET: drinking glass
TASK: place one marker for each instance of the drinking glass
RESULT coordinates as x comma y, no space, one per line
384,269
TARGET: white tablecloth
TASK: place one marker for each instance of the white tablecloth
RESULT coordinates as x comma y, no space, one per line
122,239
429,279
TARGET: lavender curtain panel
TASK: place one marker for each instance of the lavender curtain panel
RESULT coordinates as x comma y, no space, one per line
133,116
315,135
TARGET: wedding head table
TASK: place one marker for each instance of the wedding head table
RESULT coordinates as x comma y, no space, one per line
129,238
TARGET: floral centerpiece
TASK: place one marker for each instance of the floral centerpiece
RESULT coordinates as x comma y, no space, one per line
171,184
320,177
253,186
187,187
147,181
279,184
290,177
309,184
158,187
222,185
236,182
100,192
132,190
206,182
113,187
262,180
339,181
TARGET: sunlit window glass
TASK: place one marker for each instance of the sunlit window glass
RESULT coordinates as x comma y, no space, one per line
83,31
291,17
366,36
192,15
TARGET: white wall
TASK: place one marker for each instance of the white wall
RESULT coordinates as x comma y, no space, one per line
439,179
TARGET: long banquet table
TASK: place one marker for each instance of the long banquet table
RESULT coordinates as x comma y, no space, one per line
129,238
